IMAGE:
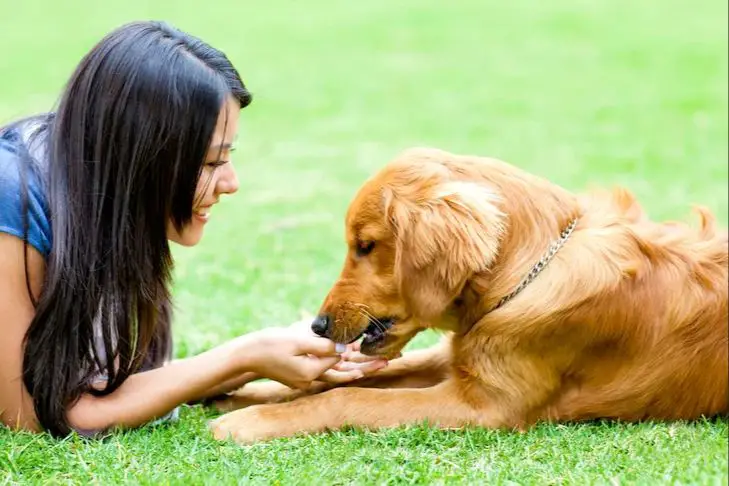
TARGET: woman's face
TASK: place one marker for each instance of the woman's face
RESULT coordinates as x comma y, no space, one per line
218,177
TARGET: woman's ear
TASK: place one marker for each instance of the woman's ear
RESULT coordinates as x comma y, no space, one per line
443,238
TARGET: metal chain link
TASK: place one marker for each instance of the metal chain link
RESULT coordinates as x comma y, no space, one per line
536,269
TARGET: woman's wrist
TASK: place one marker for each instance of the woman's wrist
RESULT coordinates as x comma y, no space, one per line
244,353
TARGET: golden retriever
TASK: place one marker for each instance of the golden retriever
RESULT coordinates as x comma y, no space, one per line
558,308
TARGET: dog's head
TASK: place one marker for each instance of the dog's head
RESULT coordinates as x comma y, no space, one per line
416,232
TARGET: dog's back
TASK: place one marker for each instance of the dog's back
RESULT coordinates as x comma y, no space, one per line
628,321
666,323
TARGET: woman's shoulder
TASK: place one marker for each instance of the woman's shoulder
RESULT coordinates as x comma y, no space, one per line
23,201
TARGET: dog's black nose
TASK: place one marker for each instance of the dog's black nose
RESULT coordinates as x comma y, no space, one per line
320,326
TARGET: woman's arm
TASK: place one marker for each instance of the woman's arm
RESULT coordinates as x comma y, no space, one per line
228,386
276,353
152,394
16,313
142,397
282,354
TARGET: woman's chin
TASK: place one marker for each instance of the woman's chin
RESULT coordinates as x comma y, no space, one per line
189,236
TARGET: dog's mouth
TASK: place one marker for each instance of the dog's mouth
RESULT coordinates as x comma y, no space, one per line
375,331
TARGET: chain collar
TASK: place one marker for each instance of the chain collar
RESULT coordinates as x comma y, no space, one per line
536,269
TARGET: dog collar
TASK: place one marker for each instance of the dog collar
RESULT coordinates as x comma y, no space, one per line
536,269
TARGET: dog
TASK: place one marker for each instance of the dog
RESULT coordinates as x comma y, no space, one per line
556,307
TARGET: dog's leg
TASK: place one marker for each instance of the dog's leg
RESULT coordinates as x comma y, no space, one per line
263,392
415,369
369,408
420,368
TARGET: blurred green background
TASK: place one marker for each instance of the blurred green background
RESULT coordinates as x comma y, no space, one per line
584,92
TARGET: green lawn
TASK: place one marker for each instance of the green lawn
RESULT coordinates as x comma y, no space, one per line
584,92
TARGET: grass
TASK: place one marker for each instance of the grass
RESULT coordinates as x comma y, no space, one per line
585,454
585,92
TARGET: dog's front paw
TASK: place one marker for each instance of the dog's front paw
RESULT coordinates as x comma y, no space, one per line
244,426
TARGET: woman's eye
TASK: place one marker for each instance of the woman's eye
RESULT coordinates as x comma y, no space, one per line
364,248
217,163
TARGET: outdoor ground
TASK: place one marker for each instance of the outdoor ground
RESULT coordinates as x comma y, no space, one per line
583,92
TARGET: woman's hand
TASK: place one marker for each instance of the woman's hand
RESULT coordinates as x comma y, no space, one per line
288,356
296,357
353,365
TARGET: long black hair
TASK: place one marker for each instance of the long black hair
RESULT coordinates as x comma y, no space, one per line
123,154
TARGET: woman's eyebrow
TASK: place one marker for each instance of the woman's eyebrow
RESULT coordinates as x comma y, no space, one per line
221,146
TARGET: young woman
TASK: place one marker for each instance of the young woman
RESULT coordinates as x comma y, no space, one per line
136,155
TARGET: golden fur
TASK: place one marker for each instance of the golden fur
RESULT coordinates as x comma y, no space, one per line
628,321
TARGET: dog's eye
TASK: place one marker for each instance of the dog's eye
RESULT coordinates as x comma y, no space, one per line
364,248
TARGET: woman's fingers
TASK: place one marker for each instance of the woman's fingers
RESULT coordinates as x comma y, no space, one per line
335,377
357,357
366,367
318,346
313,366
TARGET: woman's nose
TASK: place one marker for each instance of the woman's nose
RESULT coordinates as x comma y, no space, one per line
228,180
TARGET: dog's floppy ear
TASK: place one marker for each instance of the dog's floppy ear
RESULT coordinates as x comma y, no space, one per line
445,231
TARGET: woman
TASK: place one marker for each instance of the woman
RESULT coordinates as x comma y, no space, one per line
136,155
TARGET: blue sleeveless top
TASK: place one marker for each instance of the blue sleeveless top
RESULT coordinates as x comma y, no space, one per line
21,187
